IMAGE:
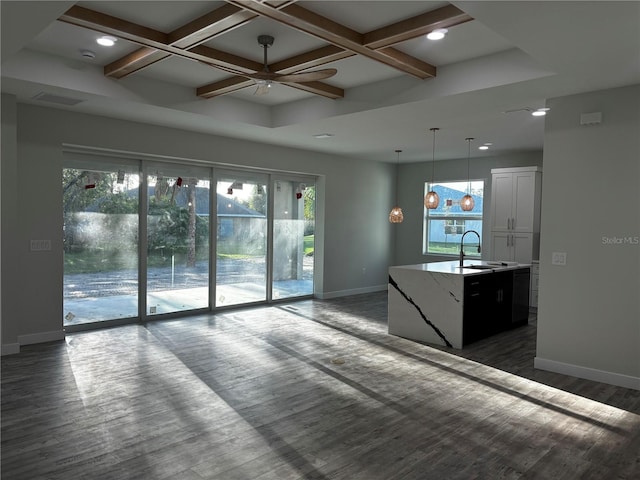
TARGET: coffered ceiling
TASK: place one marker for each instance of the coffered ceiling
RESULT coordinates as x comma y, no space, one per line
185,64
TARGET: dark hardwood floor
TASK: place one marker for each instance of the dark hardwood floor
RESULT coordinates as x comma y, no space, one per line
306,390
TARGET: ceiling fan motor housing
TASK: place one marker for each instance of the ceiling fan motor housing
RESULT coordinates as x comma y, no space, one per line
265,40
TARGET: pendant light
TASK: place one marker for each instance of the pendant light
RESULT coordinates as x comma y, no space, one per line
396,216
467,203
431,199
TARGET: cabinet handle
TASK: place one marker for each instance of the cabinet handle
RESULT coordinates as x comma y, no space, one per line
513,224
508,224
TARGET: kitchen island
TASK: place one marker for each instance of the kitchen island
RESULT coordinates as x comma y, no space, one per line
445,304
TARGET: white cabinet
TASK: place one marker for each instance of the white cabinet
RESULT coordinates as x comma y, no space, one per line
513,247
515,199
515,217
515,213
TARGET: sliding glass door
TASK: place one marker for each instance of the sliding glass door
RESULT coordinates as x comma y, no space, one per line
293,238
241,238
100,209
138,238
177,274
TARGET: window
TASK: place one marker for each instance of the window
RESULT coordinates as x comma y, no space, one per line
444,226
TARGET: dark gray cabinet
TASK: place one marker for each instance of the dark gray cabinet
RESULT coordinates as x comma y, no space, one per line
494,302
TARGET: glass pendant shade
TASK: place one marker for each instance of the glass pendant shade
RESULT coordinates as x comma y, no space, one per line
396,215
431,200
467,203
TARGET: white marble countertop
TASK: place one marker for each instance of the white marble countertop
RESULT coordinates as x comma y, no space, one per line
452,267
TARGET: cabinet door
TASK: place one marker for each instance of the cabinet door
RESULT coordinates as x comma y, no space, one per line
502,300
501,246
501,201
522,247
523,205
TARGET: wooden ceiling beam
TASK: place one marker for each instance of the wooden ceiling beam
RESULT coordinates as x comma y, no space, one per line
314,58
232,84
210,25
307,21
154,39
186,41
380,39
414,27
198,31
319,88
222,87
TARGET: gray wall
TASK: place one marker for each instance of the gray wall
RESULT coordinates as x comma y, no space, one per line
589,310
355,230
412,178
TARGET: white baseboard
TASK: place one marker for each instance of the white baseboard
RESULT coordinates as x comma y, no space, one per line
9,348
603,376
355,291
41,337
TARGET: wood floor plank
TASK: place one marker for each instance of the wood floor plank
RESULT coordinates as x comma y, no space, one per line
314,389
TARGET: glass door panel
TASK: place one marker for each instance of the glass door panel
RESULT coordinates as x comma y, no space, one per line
241,239
177,240
293,239
100,208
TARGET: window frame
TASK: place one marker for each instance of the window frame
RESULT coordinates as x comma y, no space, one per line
454,217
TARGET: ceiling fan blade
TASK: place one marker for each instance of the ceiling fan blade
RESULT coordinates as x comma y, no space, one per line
266,77
262,76
303,77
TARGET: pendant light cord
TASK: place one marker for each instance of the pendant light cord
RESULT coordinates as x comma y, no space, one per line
433,157
468,170
397,175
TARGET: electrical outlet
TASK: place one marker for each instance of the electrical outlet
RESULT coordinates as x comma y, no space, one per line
559,258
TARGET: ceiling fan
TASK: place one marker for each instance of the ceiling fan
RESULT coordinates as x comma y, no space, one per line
265,77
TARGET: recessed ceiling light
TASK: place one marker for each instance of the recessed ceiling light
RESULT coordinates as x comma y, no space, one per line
483,147
107,41
323,135
437,34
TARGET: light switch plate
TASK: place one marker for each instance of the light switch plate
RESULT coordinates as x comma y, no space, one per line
559,258
40,245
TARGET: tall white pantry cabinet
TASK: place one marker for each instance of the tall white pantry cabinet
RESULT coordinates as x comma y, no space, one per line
515,219
515,213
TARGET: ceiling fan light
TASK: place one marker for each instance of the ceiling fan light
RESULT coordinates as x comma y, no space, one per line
431,200
467,203
396,215
437,34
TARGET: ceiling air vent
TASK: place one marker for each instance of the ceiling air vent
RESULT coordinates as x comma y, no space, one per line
59,99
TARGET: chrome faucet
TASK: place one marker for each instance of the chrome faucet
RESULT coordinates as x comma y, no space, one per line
462,245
